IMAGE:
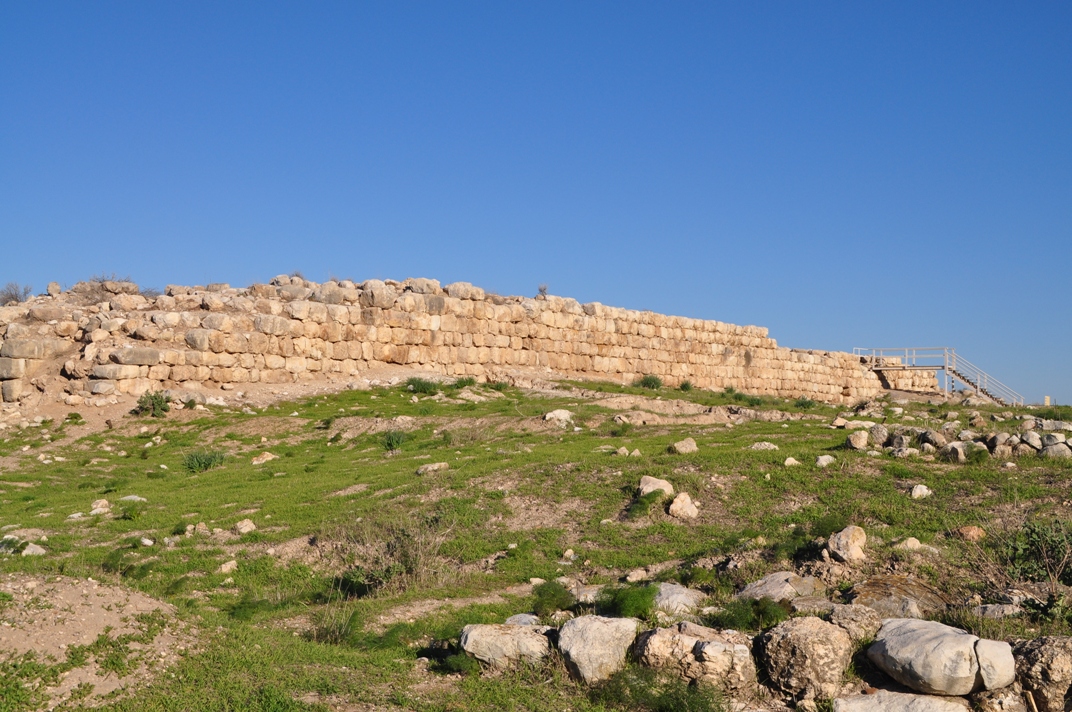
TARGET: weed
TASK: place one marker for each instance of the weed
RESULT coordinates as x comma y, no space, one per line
459,664
202,460
804,403
685,386
393,440
641,506
465,382
498,385
551,596
1040,551
324,424
333,625
650,382
74,418
360,581
628,601
749,614
644,689
423,386
152,403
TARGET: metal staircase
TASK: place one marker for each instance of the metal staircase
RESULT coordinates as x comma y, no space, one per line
940,358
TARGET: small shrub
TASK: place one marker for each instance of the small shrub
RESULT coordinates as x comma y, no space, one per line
15,292
641,506
729,391
465,382
551,596
618,430
749,615
541,290
152,403
423,386
804,403
131,511
628,601
325,424
650,382
74,418
190,404
498,385
1039,551
202,460
149,292
977,455
458,664
334,625
646,690
359,581
393,439
685,386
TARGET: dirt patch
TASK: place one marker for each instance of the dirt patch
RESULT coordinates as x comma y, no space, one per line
122,638
410,612
352,489
534,513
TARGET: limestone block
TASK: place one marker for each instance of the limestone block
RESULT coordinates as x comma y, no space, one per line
12,390
115,372
11,368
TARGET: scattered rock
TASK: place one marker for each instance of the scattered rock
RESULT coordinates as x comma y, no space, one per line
228,567
970,532
1007,699
522,619
100,504
763,445
791,462
857,440
921,492
244,527
847,545
677,599
504,645
780,586
896,596
595,647
560,417
807,657
683,508
433,467
997,611
940,660
684,447
824,460
651,484
1059,450
32,549
263,458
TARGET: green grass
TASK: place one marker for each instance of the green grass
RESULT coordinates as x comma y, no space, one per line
405,538
202,460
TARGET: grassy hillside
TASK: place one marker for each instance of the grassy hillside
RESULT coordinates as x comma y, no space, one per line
361,571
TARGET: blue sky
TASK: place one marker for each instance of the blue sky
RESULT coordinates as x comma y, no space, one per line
846,174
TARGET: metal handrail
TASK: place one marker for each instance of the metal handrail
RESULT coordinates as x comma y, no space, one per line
946,359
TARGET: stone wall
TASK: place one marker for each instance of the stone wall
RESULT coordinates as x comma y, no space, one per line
103,338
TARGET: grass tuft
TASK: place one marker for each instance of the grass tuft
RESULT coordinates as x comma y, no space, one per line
202,460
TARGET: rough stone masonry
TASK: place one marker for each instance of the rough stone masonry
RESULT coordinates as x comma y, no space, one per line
104,338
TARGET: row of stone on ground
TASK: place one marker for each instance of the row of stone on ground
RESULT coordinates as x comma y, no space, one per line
802,659
953,443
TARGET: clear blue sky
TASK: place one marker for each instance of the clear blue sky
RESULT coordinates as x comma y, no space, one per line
846,174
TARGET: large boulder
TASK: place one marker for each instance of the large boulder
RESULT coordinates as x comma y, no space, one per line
1044,667
504,645
940,660
684,447
595,647
649,484
1060,450
896,596
847,545
781,586
699,654
807,657
884,701
857,440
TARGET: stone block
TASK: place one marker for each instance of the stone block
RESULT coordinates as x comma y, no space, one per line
114,372
11,368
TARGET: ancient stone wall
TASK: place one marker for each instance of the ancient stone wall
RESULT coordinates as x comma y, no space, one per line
105,338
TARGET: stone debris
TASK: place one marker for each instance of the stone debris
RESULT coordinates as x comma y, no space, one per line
650,484
433,467
502,646
683,507
684,447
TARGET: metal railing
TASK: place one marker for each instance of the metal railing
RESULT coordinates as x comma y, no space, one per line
940,358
